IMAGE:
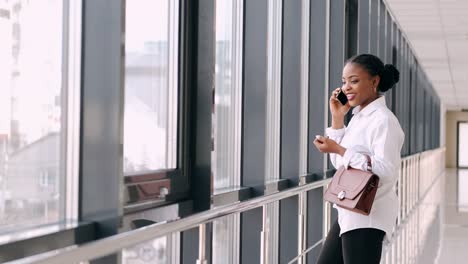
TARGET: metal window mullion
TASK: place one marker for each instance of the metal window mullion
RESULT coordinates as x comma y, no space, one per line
305,41
273,91
278,25
386,35
378,28
268,102
73,109
369,25
237,81
303,157
270,231
327,74
173,46
326,205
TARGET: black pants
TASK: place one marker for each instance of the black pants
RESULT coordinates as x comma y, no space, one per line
359,246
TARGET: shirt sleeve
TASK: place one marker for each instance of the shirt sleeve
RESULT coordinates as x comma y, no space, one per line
386,143
336,135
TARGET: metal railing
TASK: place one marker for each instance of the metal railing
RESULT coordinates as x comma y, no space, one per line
420,190
110,245
417,175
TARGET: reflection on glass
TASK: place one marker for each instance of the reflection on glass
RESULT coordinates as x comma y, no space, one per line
30,113
150,109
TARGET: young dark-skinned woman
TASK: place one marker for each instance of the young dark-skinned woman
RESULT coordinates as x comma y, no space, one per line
373,132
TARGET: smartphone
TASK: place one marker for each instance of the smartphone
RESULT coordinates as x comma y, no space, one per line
342,97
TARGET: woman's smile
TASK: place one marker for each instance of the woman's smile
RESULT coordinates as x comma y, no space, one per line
351,96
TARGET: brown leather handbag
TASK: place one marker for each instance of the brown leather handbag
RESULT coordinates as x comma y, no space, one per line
353,189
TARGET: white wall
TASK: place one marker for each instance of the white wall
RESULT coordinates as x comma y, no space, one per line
452,117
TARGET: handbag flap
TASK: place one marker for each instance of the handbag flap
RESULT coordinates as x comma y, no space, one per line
350,180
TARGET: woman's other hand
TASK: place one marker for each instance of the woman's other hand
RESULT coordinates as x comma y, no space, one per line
326,145
337,109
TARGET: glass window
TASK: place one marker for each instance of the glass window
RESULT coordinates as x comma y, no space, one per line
32,129
150,121
228,96
151,109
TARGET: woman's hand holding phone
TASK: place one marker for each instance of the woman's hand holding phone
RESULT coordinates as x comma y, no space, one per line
338,110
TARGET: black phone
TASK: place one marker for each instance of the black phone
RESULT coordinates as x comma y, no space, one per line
342,97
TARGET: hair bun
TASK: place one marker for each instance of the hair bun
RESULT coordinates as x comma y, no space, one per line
392,71
390,76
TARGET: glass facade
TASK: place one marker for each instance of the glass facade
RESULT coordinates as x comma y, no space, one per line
32,108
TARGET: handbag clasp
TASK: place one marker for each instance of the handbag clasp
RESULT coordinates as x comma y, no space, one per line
341,195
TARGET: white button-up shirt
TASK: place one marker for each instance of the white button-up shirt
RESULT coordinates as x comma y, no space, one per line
376,132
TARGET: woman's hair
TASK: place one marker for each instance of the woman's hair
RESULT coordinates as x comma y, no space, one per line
389,75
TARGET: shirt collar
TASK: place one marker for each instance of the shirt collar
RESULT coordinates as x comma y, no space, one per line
374,105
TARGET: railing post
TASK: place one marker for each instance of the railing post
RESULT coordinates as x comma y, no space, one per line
202,245
302,226
326,217
264,237
400,199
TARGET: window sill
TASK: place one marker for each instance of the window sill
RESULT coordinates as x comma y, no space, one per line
36,240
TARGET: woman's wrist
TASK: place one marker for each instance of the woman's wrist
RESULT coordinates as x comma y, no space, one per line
340,150
337,122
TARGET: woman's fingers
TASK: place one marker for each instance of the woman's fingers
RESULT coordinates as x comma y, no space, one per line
318,145
335,93
320,138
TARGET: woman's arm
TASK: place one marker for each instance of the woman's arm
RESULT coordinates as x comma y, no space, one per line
336,131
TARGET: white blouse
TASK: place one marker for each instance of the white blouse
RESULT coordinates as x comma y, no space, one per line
376,132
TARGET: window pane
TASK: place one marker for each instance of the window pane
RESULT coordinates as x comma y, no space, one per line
228,97
150,87
31,105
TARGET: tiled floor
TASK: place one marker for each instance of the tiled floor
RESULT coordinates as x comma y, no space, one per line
453,245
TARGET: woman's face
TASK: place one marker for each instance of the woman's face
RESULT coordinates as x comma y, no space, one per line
358,85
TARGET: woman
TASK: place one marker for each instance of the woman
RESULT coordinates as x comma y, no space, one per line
373,132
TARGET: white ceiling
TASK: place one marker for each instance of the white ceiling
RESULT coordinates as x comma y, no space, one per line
438,32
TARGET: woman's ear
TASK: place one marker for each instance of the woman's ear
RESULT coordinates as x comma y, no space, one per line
375,83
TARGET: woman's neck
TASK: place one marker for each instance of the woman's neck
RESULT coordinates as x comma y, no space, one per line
368,101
